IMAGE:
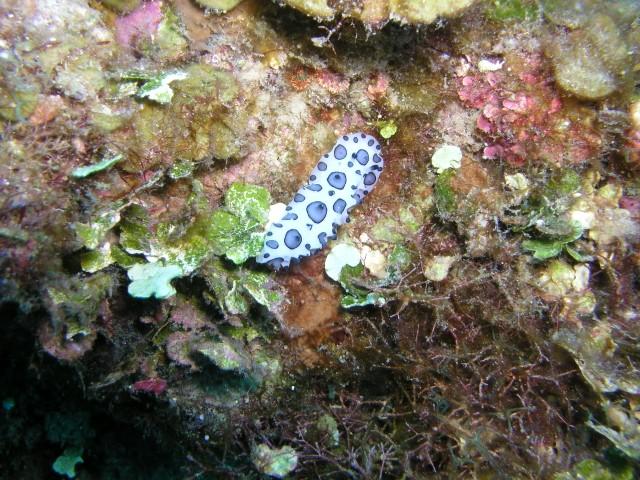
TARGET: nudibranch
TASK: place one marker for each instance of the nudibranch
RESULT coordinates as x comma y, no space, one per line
339,182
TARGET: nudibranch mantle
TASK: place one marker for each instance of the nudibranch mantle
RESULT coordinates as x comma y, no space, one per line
339,182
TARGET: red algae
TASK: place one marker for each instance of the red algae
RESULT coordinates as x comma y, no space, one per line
142,22
521,116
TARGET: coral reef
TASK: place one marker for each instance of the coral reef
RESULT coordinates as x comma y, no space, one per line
378,12
477,317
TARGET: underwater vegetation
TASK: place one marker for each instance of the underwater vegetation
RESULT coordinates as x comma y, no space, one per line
475,316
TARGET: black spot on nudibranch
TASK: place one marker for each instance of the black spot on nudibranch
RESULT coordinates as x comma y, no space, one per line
322,166
339,152
317,211
337,180
266,255
362,157
312,178
369,179
272,244
298,198
276,263
322,238
290,216
314,187
338,205
292,238
355,139
376,158
370,143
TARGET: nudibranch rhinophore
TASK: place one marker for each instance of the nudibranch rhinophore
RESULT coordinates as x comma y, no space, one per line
339,182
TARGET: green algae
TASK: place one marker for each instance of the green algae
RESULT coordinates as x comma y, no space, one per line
595,59
231,236
573,13
400,259
207,81
106,255
595,353
226,354
549,248
155,87
591,469
236,231
197,124
121,6
258,286
627,441
319,9
274,462
388,230
387,128
236,289
104,164
81,78
512,10
219,6
91,234
355,295
445,197
152,280
66,463
328,427
169,43
74,306
106,119
181,169
135,237
17,103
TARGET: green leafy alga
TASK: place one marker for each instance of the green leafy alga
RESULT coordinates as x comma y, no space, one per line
444,193
104,164
234,288
155,86
549,248
66,463
152,280
356,296
275,462
593,470
237,230
388,128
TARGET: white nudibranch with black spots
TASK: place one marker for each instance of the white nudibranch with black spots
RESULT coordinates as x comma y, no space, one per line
339,182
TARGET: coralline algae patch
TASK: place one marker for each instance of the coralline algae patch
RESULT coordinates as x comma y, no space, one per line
338,183
523,118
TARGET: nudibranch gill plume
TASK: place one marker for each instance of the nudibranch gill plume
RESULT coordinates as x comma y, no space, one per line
339,182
